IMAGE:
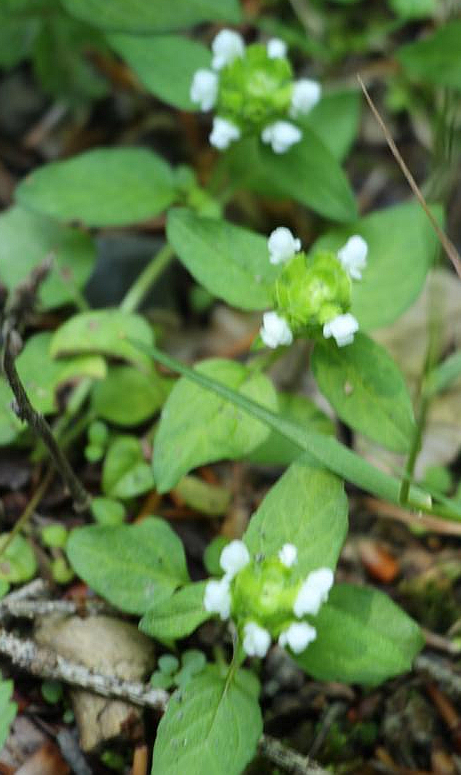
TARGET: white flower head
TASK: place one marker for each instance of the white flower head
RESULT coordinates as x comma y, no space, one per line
276,48
275,330
256,640
233,558
353,256
342,328
282,245
227,46
217,598
297,636
204,88
223,133
281,135
313,592
288,555
306,93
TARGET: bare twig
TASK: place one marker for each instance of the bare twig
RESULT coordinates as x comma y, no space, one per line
35,588
440,671
291,761
445,241
46,663
31,609
432,523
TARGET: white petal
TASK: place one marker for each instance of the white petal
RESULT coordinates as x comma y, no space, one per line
282,245
276,48
342,328
288,555
353,256
256,640
233,558
223,133
227,46
297,636
306,93
217,598
281,135
313,592
204,89
275,330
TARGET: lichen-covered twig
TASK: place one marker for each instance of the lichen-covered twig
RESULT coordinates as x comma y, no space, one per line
291,761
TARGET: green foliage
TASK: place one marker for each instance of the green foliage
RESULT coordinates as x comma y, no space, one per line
54,535
435,59
178,615
132,566
165,64
402,247
8,709
181,444
125,473
413,9
18,561
141,17
145,393
362,637
27,238
101,187
367,390
308,508
341,110
107,511
232,263
211,726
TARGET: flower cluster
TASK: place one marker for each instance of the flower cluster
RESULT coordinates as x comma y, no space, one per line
253,91
312,292
266,599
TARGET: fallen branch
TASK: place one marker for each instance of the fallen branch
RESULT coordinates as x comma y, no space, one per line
291,761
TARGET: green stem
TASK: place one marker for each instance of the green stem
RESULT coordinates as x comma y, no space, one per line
147,278
413,454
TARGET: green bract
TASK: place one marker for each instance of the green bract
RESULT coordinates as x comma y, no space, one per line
263,591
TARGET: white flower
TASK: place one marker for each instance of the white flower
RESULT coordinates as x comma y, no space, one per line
217,598
305,95
233,558
256,640
223,133
288,555
342,328
227,46
282,245
204,88
297,636
276,48
313,592
281,135
275,330
353,256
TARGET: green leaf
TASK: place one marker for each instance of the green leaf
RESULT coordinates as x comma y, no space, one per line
413,9
27,238
143,17
105,331
367,390
125,473
435,59
212,725
16,38
8,709
308,508
277,450
10,425
338,109
362,637
209,499
309,173
165,64
177,616
146,392
132,566
323,449
17,562
231,262
181,443
402,247
102,187
107,511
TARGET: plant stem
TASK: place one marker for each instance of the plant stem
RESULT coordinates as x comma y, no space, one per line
415,447
147,278
29,510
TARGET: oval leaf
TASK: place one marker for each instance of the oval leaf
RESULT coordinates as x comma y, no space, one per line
165,64
181,443
27,238
125,473
402,247
435,59
367,390
147,393
362,637
132,566
212,725
177,616
102,187
231,262
308,508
